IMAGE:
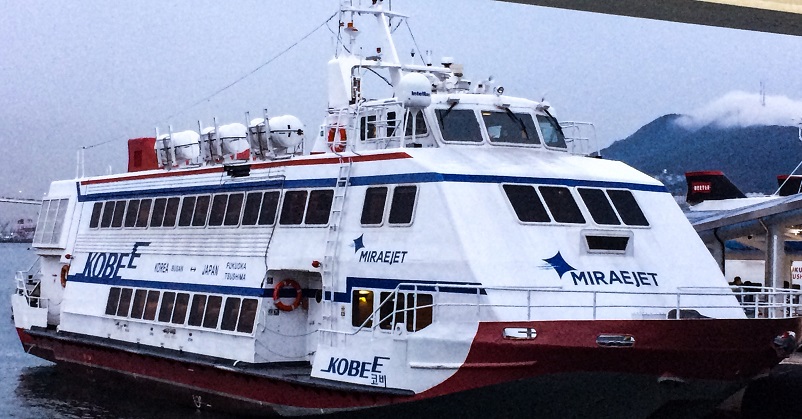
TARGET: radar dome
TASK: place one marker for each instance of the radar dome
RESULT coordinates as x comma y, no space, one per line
415,91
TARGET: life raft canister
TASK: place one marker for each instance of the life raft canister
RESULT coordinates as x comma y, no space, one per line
339,146
65,270
298,295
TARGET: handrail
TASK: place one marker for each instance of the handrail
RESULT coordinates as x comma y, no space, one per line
755,302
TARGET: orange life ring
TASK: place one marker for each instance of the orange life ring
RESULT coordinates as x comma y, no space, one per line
65,270
298,295
339,146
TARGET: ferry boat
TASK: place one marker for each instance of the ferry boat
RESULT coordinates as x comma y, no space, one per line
446,242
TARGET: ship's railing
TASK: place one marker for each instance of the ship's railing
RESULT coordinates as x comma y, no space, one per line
28,285
580,137
542,303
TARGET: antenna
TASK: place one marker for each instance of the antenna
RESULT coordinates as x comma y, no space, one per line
762,93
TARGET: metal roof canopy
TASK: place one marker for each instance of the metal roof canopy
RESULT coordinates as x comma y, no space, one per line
773,16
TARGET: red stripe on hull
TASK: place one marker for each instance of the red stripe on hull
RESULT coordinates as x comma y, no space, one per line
672,360
286,163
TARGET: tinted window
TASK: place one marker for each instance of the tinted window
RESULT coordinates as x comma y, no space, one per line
373,208
421,315
108,212
139,304
197,309
627,207
611,243
171,212
144,212
561,204
267,214
119,212
526,203
251,212
403,204
187,207
125,302
97,208
292,211
361,308
552,133
247,315
112,301
233,209
509,127
420,125
180,311
159,205
166,310
151,304
218,210
459,125
201,210
599,206
212,311
131,213
230,314
319,208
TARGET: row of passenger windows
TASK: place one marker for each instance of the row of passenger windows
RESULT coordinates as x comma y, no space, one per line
249,209
238,314
606,206
412,309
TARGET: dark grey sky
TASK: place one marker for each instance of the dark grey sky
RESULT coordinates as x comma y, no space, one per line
78,73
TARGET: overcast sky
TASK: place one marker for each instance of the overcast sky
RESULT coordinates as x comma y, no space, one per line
78,73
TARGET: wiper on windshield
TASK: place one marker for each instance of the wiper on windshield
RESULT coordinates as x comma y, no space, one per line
554,123
519,121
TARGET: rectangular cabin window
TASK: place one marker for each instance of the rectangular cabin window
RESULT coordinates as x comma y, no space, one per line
157,217
510,128
187,207
627,207
212,311
599,206
108,213
144,212
267,213
319,208
171,212
119,212
180,310
197,309
138,308
420,125
251,211
615,244
201,211
526,203
166,309
131,213
561,204
230,314
292,210
218,212
402,205
391,311
125,302
233,209
247,315
368,125
94,221
552,133
151,304
420,310
373,208
50,222
113,301
361,308
459,125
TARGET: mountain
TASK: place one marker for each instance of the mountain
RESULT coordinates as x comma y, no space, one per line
751,157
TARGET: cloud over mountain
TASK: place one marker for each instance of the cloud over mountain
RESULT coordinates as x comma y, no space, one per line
741,109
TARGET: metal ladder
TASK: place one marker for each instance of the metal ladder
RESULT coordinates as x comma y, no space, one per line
329,274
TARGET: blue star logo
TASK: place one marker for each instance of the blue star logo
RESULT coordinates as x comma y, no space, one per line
358,243
559,264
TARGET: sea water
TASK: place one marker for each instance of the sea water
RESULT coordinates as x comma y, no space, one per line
34,388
